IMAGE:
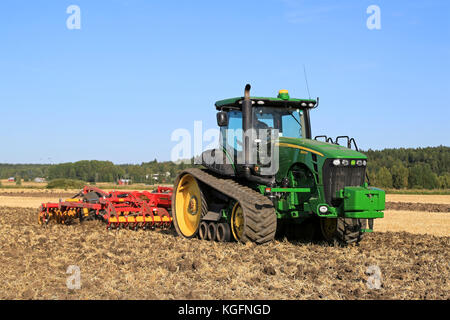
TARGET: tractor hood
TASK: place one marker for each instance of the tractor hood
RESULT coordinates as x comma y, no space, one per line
320,148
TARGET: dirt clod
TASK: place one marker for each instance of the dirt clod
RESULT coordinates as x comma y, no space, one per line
269,270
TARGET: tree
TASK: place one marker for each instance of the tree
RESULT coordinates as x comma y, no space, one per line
421,176
399,176
444,181
384,178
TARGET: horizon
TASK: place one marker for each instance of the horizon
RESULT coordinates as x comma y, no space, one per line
116,88
164,161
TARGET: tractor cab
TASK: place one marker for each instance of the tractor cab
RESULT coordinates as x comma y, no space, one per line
289,116
250,127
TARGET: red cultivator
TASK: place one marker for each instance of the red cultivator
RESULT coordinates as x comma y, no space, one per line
128,209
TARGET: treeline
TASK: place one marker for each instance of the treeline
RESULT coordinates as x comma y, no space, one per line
26,172
106,171
421,168
95,171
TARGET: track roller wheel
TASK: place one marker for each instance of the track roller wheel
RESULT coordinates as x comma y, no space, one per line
188,205
203,231
223,232
237,222
212,231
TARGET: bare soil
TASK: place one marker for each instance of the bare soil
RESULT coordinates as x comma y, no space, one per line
418,198
38,194
159,265
417,222
409,206
26,202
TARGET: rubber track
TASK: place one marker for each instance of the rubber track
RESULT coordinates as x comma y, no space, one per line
260,220
348,230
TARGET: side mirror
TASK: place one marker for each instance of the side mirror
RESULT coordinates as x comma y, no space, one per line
222,119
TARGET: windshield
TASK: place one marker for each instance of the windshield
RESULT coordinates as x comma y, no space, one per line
289,122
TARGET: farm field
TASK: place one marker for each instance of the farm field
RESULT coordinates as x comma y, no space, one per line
32,198
31,192
35,186
418,198
409,247
158,265
416,222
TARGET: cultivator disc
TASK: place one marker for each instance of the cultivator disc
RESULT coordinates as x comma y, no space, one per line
118,209
159,218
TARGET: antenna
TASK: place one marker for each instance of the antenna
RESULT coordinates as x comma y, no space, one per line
306,80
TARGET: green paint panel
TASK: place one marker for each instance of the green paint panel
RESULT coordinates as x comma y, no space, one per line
290,190
364,214
363,199
328,150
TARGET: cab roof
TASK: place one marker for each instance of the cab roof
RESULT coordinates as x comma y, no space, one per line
236,103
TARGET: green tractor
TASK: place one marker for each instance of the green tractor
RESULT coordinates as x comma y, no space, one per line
270,177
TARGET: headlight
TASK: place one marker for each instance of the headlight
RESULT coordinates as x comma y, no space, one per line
323,209
345,162
359,163
364,162
311,105
336,162
303,104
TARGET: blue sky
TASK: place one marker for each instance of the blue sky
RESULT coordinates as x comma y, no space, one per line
137,70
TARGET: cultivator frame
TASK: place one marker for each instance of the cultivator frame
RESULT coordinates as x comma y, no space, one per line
118,209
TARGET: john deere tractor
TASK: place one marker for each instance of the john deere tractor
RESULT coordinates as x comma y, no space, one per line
270,177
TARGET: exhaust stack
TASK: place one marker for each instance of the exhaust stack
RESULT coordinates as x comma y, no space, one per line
247,124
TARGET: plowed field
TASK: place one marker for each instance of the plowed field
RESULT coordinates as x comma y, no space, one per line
159,265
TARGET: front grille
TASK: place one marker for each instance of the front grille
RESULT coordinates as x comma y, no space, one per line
336,178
